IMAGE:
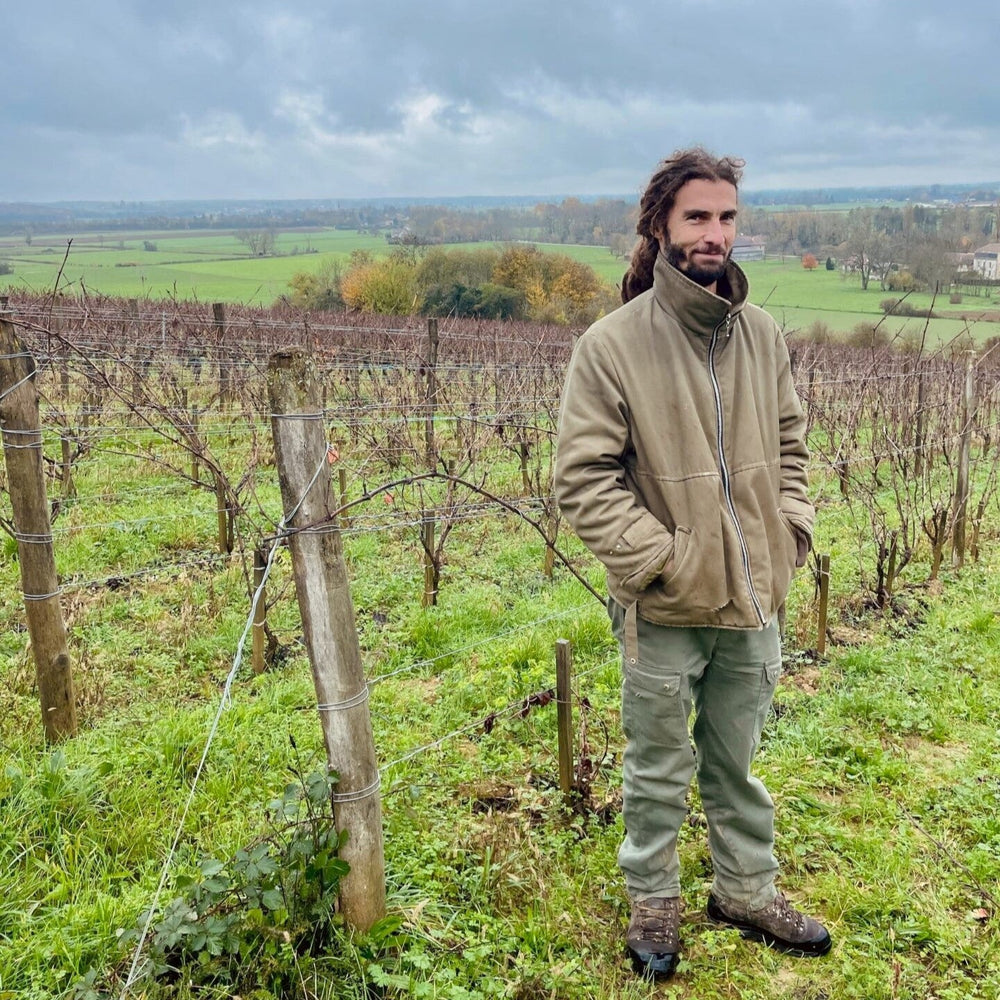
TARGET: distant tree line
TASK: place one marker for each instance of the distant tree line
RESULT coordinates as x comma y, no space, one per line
516,281
899,247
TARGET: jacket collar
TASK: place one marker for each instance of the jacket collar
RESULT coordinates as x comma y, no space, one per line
696,308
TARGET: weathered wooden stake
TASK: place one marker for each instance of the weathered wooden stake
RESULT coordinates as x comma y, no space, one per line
431,399
331,638
224,515
135,332
918,434
195,464
258,634
225,381
824,603
345,518
429,597
20,424
564,714
961,503
66,476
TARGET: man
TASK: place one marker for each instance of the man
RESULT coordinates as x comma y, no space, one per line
681,463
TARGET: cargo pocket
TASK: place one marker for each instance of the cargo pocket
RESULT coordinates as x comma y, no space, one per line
770,673
654,707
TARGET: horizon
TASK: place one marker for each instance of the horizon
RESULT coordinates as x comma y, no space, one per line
402,200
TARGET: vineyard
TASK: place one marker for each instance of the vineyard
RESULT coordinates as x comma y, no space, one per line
167,526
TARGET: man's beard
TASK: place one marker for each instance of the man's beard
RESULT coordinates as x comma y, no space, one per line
703,276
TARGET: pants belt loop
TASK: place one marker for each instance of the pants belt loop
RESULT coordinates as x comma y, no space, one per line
632,633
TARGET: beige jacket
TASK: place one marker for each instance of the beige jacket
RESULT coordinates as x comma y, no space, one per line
681,456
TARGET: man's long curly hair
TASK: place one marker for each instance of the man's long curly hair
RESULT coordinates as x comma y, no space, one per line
657,201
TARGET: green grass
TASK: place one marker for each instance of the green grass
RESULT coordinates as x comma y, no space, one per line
206,266
881,761
797,298
209,266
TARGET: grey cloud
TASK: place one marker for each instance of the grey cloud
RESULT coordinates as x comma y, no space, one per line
184,99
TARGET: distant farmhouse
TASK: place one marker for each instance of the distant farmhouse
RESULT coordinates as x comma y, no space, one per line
749,248
984,260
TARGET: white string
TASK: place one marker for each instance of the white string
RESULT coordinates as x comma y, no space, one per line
224,702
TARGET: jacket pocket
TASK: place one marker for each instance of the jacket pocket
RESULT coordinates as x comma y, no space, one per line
790,538
682,538
696,581
639,554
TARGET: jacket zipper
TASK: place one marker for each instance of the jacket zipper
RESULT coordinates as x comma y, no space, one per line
724,471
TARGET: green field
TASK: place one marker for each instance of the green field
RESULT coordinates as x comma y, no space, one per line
209,266
204,266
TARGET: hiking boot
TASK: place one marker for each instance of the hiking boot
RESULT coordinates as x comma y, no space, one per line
653,936
778,925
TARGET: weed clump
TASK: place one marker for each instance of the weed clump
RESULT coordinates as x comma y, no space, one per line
249,921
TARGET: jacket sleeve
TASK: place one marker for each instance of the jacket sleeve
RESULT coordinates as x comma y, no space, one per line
590,482
794,495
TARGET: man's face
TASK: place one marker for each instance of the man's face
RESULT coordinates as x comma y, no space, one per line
700,230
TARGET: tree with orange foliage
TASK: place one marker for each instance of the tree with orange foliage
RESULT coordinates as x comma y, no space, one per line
809,262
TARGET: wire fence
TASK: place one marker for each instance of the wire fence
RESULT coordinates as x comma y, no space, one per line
133,393
181,391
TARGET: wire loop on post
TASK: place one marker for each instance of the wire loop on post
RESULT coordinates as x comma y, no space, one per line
29,539
41,597
362,793
341,706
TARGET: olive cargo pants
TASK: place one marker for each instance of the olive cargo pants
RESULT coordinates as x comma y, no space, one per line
729,676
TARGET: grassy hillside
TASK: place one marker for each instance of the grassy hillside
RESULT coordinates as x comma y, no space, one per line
207,266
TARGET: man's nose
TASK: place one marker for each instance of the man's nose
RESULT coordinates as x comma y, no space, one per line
714,232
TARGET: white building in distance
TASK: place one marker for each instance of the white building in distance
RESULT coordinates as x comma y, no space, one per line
984,260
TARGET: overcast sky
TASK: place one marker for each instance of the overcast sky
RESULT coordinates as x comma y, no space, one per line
145,100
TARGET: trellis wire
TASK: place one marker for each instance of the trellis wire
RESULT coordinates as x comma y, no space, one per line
224,701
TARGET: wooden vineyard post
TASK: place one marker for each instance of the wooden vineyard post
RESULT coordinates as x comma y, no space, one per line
918,434
345,518
20,424
66,474
226,528
135,335
192,414
429,597
427,529
431,398
258,635
961,502
564,714
824,604
331,638
225,381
